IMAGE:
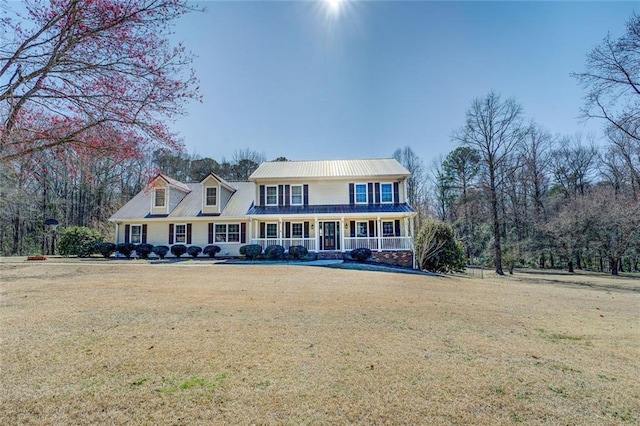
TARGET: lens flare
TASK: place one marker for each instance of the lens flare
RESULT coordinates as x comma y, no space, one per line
334,6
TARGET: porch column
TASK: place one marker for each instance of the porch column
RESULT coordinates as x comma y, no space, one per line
117,233
379,225
316,233
342,232
406,231
280,242
250,236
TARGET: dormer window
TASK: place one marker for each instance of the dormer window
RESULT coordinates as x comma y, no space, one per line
160,197
386,193
272,196
361,193
211,196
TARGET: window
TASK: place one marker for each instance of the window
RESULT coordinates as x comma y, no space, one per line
296,230
296,195
180,232
211,196
227,233
272,196
361,193
160,197
272,230
135,236
221,233
388,229
234,233
362,229
386,193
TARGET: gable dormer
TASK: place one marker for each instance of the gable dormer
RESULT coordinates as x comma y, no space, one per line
216,192
166,194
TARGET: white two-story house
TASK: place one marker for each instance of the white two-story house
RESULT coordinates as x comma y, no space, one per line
330,207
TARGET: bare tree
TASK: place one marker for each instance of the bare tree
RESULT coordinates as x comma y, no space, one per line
494,128
574,165
415,184
612,81
442,192
627,150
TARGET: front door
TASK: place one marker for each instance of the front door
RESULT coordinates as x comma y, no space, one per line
329,235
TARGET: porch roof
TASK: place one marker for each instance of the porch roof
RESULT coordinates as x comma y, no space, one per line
331,209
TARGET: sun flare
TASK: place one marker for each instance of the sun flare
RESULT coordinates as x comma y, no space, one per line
334,6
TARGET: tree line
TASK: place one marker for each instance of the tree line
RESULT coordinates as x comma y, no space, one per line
88,89
81,188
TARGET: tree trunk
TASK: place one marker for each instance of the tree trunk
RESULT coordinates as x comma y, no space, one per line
613,263
542,261
497,249
571,266
578,262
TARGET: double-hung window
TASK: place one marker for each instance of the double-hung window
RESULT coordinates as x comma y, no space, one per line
296,230
272,230
221,233
296,195
386,193
272,196
388,229
362,229
233,235
135,236
180,234
211,198
160,197
361,193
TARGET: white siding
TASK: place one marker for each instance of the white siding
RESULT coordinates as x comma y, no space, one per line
329,192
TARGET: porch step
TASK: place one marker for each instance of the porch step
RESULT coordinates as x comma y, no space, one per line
329,255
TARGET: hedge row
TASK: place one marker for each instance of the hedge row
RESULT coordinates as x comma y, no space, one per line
144,250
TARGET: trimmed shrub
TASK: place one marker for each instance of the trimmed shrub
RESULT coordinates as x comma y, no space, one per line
178,250
211,250
105,249
78,241
298,252
144,250
251,251
194,251
274,252
125,249
161,251
360,254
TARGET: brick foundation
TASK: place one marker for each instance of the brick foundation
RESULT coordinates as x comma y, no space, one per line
396,258
328,255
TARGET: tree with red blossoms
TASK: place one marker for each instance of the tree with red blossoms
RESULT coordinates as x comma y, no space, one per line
100,74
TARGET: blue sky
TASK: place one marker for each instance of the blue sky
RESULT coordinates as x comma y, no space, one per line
287,78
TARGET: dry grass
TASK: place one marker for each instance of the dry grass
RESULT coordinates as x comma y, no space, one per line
212,344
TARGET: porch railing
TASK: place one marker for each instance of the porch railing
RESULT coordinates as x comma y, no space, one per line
350,243
308,243
384,243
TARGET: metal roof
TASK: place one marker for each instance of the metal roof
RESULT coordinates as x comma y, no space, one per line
174,182
328,169
139,207
331,209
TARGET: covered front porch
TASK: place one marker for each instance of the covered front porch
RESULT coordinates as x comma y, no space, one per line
328,234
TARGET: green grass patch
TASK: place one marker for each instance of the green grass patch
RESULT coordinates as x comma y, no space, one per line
173,385
558,337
